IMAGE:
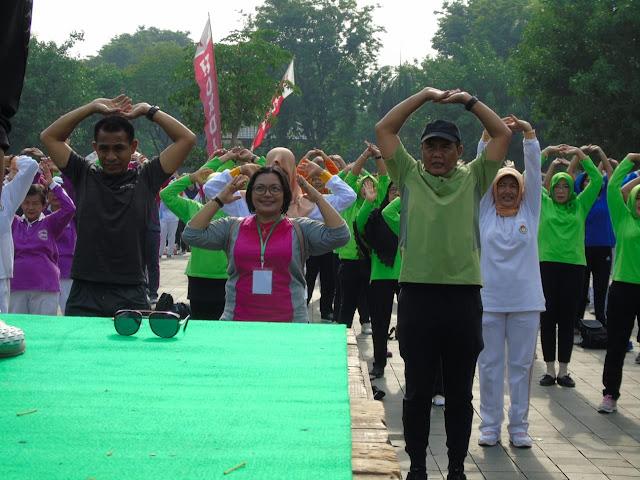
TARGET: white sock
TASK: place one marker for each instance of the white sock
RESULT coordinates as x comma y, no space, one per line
551,369
562,371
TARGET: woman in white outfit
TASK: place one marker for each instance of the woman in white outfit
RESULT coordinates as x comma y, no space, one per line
512,296
168,228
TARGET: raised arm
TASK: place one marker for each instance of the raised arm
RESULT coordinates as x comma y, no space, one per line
330,215
500,134
228,195
591,192
532,161
55,135
387,129
615,195
183,139
627,187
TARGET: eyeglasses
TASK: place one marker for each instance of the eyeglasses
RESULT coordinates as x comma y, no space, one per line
273,189
163,324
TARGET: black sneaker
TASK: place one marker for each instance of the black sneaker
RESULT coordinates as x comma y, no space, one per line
376,373
326,317
547,380
417,474
566,381
456,475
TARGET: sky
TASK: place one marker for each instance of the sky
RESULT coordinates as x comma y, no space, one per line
410,25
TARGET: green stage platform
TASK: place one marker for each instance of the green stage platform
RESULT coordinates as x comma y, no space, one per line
274,396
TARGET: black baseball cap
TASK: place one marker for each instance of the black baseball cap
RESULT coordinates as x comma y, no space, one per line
443,129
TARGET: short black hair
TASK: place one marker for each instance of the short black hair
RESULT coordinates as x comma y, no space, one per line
286,188
115,123
39,190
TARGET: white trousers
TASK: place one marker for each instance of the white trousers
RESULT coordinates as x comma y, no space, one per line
5,289
34,302
65,288
168,235
518,332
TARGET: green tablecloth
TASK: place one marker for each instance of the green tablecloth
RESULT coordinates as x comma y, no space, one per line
111,407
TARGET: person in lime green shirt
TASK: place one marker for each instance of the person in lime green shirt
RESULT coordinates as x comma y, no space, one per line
439,307
377,229
206,269
624,291
562,261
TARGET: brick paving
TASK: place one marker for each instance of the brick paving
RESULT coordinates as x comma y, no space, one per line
571,440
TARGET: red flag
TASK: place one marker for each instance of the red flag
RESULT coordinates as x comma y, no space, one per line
275,105
204,64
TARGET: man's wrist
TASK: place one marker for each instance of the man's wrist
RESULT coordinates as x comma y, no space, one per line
151,112
530,134
470,102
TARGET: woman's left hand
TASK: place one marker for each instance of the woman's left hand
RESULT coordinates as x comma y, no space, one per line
46,172
310,193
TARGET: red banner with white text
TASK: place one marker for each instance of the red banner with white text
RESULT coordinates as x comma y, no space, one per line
204,64
275,106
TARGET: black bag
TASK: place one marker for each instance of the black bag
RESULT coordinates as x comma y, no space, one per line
165,304
594,334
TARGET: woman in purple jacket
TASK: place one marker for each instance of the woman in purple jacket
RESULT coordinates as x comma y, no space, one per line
66,241
35,286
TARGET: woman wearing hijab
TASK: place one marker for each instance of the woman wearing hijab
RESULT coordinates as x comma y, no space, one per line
266,250
624,291
512,296
562,261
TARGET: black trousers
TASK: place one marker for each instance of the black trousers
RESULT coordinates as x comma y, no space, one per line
354,281
322,264
93,299
562,285
598,266
439,325
15,28
206,297
152,262
382,293
622,310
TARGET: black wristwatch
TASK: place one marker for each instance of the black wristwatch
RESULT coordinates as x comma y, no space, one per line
472,101
152,111
218,201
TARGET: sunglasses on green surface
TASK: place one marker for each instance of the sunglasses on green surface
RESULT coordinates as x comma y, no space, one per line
163,324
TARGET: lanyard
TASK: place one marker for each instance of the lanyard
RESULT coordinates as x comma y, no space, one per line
263,242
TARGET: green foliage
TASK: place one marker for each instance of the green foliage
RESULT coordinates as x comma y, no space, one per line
127,49
583,71
54,84
497,22
249,69
335,47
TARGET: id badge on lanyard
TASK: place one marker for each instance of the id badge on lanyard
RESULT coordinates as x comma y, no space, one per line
263,278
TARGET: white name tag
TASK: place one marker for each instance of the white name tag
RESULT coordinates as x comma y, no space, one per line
262,282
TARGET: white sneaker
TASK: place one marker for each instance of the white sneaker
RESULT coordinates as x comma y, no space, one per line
608,405
366,328
11,340
520,440
489,438
438,401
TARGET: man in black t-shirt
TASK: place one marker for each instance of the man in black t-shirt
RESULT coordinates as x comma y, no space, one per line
113,202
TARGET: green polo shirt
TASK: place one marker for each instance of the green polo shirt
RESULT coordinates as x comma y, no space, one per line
439,236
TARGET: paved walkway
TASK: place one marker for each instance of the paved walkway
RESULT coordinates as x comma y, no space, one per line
571,440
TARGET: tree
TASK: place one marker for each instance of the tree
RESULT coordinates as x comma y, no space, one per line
54,84
580,62
335,47
249,69
497,22
127,49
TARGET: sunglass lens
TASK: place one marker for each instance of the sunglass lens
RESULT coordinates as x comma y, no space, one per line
127,323
163,324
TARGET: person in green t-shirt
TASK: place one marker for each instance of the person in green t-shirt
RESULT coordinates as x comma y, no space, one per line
562,261
622,307
439,307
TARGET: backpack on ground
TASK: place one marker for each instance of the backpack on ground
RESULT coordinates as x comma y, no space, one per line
594,334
